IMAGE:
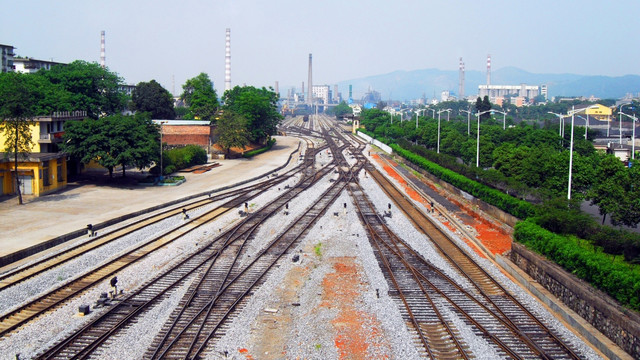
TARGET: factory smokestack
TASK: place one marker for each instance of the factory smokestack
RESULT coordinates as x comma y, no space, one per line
310,89
488,71
461,85
227,60
277,89
102,55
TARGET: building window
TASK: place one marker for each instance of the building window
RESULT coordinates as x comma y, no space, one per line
45,173
60,173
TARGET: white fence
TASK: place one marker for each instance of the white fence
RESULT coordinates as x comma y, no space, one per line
375,142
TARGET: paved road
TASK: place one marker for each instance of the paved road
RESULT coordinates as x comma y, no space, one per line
95,201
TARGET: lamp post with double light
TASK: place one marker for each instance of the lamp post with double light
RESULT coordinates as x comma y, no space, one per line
573,112
440,112
468,121
478,139
633,134
504,118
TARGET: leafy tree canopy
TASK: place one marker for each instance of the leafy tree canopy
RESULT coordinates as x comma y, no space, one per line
153,98
201,98
258,106
113,140
92,88
232,131
342,109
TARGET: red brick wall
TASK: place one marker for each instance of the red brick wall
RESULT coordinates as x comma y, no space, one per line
174,135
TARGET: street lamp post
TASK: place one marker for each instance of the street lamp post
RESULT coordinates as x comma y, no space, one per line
633,134
161,169
439,112
478,139
573,113
560,123
504,118
433,113
468,121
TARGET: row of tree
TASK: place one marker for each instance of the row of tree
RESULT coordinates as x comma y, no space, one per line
525,159
248,115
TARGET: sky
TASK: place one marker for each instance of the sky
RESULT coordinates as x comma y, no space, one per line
172,41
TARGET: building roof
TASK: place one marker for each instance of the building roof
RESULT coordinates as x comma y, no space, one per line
32,157
181,122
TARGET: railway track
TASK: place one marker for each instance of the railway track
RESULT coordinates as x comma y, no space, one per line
198,306
222,274
51,299
486,306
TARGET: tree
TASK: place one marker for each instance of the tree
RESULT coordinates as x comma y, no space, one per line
483,105
153,98
232,131
342,109
92,88
258,106
113,140
201,98
18,101
608,191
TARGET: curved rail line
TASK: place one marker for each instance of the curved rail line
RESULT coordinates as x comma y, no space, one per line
487,296
53,298
117,318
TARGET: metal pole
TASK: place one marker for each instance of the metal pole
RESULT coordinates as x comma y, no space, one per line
468,124
478,144
504,121
161,172
633,140
620,127
571,152
586,130
438,132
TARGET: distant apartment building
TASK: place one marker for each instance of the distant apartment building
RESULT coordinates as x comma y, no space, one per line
496,91
6,58
28,65
322,92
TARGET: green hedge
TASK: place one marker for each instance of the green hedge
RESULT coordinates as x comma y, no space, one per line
516,207
184,157
255,152
618,279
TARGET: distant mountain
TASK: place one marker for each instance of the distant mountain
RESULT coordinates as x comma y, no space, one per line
406,85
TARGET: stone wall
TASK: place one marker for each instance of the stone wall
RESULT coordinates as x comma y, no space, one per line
619,324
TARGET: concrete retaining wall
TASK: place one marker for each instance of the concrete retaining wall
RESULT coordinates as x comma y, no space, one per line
375,142
620,325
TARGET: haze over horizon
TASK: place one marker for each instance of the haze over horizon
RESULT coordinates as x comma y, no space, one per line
271,41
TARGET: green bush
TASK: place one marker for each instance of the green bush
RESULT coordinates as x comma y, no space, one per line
184,157
618,279
497,198
255,152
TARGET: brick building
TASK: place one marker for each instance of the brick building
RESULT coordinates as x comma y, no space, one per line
176,133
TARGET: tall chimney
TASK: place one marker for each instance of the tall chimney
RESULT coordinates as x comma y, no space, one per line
277,89
227,60
102,55
461,85
488,71
309,81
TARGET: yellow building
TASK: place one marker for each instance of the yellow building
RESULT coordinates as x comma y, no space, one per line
45,168
39,174
600,112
